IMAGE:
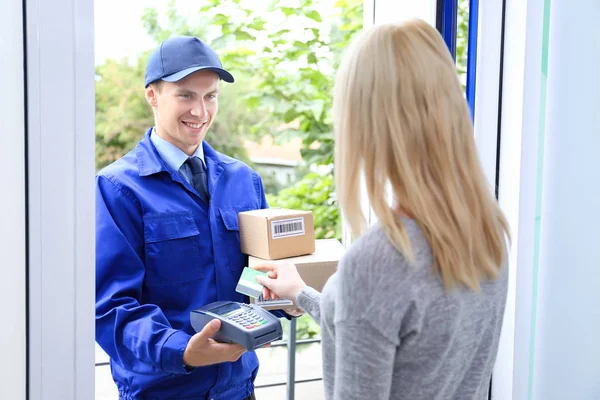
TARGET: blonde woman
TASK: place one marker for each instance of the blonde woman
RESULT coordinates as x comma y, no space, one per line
416,307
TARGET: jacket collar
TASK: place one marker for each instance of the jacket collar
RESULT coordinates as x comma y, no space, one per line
149,161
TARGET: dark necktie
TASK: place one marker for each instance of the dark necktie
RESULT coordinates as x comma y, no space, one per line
199,177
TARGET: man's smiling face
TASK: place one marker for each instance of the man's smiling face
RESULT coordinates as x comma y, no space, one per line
184,110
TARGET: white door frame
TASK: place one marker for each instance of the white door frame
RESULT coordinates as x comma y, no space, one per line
13,285
60,76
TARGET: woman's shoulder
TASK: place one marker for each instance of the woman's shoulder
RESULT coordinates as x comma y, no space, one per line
374,249
376,281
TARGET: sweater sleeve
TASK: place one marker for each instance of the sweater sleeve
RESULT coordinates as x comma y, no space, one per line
309,300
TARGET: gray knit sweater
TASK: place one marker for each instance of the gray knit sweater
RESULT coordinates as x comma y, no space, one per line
391,331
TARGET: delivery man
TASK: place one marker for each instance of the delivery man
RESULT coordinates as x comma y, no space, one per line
168,241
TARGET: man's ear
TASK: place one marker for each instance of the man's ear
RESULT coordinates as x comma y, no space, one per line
151,94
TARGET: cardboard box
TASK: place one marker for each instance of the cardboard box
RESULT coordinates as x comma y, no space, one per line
315,268
276,233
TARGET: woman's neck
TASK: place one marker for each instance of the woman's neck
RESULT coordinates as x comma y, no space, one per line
400,211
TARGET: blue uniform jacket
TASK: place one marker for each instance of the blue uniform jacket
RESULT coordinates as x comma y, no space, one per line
161,252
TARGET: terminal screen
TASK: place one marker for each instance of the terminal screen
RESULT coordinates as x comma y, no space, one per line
226,309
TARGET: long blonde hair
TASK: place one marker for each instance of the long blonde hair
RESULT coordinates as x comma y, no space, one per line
401,119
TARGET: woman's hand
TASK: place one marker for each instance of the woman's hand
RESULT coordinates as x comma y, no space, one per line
282,280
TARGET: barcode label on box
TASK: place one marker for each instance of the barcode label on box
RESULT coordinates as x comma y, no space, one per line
287,227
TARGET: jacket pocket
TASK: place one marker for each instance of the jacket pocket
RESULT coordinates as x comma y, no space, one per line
172,248
230,236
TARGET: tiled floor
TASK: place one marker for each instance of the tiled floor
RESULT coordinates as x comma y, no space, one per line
273,369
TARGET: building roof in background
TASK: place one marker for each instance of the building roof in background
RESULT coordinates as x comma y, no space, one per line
268,152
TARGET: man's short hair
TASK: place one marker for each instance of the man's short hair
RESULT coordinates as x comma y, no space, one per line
157,85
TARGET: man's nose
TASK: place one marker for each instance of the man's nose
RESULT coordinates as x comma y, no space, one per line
199,110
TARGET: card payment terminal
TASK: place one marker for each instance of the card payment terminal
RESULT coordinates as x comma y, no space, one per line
244,324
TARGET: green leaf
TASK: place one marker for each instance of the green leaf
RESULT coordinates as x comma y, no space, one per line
220,19
243,35
288,11
279,33
305,125
316,33
316,107
290,115
253,101
314,15
257,24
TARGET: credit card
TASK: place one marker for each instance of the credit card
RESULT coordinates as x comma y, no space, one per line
247,284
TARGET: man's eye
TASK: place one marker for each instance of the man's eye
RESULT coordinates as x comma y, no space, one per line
186,96
212,96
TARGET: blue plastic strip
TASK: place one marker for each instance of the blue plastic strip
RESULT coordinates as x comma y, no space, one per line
472,54
449,24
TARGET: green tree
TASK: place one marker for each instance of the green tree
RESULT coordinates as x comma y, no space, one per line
315,192
296,69
462,39
122,113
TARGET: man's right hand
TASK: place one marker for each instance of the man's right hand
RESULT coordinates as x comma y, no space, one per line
202,350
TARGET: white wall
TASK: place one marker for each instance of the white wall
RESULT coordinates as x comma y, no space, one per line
12,204
567,329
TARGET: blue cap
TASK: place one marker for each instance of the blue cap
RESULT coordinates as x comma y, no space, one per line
177,57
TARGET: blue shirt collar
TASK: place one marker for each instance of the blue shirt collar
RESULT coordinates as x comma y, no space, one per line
150,162
171,154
